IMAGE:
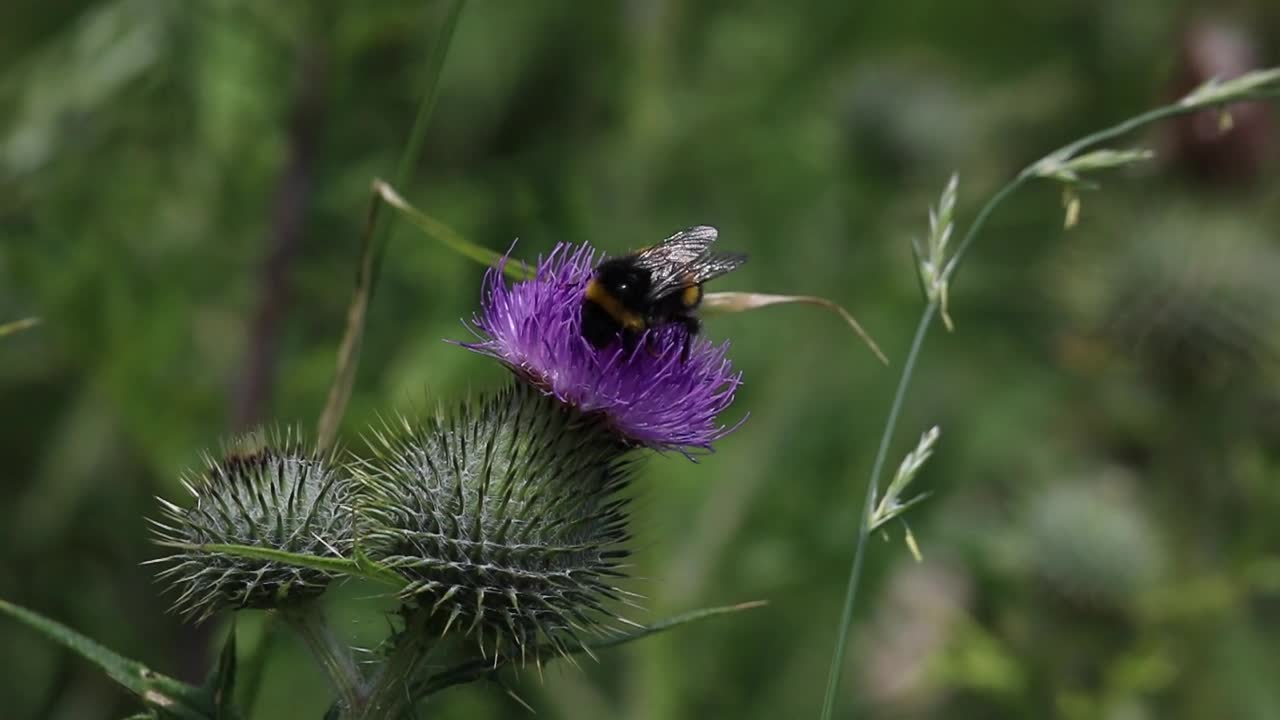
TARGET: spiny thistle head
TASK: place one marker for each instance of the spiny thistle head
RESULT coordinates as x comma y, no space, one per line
649,395
505,519
1092,542
1193,298
273,495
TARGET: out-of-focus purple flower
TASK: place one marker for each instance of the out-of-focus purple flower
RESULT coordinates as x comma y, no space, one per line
649,396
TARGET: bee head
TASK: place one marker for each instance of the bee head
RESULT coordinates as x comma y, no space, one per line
622,279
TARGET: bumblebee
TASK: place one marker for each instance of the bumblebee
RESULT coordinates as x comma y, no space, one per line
656,286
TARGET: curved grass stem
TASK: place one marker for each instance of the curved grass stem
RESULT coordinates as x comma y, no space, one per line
864,524
1267,87
373,242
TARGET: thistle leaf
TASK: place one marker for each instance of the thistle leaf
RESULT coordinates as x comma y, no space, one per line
167,695
476,669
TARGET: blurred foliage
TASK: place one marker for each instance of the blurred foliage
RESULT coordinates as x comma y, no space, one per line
182,188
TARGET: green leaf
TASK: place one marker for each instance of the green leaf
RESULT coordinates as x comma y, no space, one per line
168,696
482,667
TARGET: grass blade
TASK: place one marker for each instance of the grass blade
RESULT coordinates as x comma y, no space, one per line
731,302
18,326
1254,86
437,230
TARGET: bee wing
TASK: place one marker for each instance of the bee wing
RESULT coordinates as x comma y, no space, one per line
684,259
695,272
676,251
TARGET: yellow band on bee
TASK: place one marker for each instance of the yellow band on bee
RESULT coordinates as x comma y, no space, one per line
629,319
692,295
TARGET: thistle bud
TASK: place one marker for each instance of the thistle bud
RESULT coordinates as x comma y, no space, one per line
273,496
506,520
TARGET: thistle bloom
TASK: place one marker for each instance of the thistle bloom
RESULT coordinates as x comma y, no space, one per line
650,396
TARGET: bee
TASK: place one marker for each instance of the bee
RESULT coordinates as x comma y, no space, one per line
656,286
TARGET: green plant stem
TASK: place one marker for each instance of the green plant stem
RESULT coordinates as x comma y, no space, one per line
868,505
1073,148
374,241
332,655
372,245
926,320
392,692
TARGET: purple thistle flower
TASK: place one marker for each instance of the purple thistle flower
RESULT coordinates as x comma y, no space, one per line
650,395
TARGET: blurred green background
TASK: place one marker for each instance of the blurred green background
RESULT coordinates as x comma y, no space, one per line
182,190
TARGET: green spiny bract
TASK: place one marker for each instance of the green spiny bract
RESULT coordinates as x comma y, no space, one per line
275,496
1091,541
506,520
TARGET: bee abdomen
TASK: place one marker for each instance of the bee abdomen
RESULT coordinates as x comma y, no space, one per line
691,296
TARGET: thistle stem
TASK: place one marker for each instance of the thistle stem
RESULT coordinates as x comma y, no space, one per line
393,689
926,320
332,655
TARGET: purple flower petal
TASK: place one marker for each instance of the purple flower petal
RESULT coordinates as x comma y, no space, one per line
650,396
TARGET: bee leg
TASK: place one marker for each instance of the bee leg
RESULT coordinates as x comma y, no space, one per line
628,342
692,327
651,334
651,342
650,347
